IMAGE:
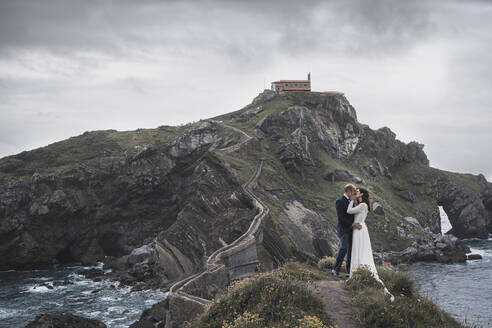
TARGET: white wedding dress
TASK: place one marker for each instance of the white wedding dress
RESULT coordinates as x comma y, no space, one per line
361,244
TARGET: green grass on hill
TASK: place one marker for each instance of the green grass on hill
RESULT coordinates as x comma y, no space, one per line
272,299
86,148
408,310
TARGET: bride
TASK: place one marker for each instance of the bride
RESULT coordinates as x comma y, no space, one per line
361,243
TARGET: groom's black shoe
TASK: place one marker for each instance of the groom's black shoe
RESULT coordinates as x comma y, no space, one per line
347,275
333,272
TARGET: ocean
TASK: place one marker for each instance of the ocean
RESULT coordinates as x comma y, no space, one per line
464,290
22,297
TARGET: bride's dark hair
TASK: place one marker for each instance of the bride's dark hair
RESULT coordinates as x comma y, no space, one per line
365,197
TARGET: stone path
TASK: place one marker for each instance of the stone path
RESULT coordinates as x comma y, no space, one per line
337,302
213,261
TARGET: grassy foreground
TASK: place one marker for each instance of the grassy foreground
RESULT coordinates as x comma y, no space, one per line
409,309
374,308
280,298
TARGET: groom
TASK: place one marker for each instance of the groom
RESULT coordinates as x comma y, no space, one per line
345,228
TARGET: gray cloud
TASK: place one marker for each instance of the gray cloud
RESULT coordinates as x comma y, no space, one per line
118,27
421,68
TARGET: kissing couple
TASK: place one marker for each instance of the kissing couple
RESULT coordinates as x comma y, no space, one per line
352,209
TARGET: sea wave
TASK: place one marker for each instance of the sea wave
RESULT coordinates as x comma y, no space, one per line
8,313
42,278
37,289
109,299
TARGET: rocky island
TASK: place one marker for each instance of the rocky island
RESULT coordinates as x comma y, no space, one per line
190,208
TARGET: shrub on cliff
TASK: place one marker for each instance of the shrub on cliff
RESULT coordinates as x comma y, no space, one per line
408,310
272,299
328,263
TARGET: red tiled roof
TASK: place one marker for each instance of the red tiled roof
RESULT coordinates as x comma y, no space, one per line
297,81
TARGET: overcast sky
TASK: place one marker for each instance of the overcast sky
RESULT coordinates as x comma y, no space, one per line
422,68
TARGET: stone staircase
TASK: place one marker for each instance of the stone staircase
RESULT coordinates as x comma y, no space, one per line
190,296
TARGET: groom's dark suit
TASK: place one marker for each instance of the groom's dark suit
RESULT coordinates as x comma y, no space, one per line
344,231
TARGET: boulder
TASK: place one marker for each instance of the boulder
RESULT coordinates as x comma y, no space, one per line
142,271
377,208
441,245
339,175
140,254
152,317
65,282
474,257
430,247
307,230
64,320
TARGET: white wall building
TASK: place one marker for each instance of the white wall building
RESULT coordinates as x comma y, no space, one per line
292,85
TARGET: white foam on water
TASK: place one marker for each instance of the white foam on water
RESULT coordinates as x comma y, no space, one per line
150,301
93,314
125,289
74,275
37,289
116,309
7,313
157,297
109,299
42,278
86,282
54,303
59,288
113,323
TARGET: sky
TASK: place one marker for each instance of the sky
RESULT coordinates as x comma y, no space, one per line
421,68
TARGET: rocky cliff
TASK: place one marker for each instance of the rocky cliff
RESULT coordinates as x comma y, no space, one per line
155,204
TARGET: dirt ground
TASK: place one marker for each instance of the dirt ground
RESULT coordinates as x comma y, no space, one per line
337,302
